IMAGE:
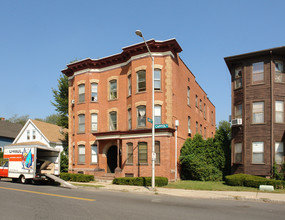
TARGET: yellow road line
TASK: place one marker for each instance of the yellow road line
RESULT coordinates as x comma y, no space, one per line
48,194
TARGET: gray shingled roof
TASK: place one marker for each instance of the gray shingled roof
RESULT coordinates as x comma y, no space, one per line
9,130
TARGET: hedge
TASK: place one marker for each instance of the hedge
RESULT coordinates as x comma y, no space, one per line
76,177
252,181
140,181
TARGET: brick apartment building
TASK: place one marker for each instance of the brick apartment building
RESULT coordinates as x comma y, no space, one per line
110,102
258,96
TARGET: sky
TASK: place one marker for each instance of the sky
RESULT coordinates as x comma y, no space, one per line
38,38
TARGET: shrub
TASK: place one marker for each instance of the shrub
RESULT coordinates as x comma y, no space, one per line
252,181
140,181
1,155
76,177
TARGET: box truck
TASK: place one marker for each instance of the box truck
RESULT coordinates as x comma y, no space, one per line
29,163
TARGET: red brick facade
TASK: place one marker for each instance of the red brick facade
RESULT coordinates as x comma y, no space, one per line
112,76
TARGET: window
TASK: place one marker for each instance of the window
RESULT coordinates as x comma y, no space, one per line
129,153
238,111
157,152
196,101
238,153
200,129
141,116
189,124
279,111
129,84
205,132
81,123
81,153
113,89
257,152
94,92
257,72
157,75
141,86
279,75
279,152
238,77
188,96
157,114
204,111
73,154
212,117
81,93
142,152
94,154
34,134
197,127
130,119
258,112
113,121
94,122
28,134
200,105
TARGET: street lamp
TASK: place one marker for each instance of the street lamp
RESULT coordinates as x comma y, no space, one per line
153,155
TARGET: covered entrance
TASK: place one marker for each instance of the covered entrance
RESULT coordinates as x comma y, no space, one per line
112,159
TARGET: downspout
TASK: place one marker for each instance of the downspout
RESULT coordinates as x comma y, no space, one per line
272,115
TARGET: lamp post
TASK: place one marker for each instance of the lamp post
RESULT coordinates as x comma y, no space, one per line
153,155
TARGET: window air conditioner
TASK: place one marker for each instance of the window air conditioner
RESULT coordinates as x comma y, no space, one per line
237,121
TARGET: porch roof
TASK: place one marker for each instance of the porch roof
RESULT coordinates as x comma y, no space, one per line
142,133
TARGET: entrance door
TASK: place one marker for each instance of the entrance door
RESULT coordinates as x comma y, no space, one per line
112,159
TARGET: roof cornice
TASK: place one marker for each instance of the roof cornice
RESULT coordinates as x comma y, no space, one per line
128,52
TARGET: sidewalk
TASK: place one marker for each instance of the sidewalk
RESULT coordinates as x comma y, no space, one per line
201,194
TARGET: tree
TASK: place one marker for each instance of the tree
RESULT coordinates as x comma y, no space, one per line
53,119
201,160
61,101
223,140
63,162
19,119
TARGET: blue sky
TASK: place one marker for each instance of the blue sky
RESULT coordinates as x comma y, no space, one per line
38,38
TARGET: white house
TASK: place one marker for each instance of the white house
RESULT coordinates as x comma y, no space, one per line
41,132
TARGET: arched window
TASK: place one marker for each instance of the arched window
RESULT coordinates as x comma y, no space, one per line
113,121
141,81
81,123
81,93
157,79
157,114
141,116
113,89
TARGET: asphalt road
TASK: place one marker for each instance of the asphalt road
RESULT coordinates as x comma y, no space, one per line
20,201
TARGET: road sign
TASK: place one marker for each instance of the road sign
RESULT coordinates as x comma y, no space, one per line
161,126
149,120
153,156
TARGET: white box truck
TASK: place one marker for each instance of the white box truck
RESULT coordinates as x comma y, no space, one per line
30,162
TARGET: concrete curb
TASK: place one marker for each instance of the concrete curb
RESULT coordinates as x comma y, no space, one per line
277,198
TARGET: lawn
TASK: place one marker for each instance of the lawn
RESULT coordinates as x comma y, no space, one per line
209,185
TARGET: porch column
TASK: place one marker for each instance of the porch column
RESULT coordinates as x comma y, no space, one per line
118,170
118,153
97,154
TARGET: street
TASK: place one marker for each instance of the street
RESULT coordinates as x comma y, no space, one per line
20,201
